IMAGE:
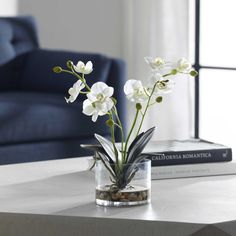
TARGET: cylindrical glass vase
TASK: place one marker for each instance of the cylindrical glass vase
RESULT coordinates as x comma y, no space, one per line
136,192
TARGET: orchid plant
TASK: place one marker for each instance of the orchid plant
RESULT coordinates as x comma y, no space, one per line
99,101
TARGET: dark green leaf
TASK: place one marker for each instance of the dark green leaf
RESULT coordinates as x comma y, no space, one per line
109,167
138,145
131,146
93,147
107,145
97,148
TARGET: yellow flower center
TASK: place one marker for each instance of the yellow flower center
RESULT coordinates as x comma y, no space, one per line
138,91
83,68
100,97
158,61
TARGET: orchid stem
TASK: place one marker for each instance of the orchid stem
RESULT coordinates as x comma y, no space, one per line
81,78
113,138
148,104
72,72
122,133
130,132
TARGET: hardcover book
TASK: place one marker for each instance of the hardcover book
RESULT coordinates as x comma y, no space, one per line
193,170
175,152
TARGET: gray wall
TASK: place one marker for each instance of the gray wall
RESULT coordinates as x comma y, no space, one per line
78,25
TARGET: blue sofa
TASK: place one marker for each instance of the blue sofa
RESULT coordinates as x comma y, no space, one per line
35,121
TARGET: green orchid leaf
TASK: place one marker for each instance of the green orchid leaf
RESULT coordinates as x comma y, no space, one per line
97,148
109,148
134,142
131,175
134,155
138,145
93,147
131,168
110,168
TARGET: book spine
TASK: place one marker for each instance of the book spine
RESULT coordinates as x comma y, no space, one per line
190,157
195,170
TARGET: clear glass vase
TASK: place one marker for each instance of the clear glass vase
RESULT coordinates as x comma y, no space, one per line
136,192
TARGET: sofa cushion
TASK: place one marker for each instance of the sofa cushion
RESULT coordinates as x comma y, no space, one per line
11,73
17,36
33,117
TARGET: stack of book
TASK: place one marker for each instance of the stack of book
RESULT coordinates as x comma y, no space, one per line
189,158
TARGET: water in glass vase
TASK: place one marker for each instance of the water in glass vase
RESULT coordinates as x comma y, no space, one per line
137,192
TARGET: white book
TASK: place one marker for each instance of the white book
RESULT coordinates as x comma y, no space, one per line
193,170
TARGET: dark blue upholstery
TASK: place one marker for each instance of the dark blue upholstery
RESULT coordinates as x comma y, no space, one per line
40,63
17,36
35,121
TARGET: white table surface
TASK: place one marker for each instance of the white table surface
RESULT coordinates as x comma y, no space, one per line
58,196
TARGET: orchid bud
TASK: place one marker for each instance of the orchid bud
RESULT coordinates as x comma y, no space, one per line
110,123
174,72
159,99
69,64
193,73
57,69
138,106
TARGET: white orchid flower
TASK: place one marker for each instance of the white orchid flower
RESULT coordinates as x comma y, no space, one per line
74,91
153,79
163,85
184,66
89,109
135,91
82,68
99,101
99,92
155,62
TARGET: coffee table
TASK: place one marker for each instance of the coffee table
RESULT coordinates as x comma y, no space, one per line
57,198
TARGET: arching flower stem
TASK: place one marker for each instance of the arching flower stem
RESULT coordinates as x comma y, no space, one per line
121,131
148,104
130,132
72,72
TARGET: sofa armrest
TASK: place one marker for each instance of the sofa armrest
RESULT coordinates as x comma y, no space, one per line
38,75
